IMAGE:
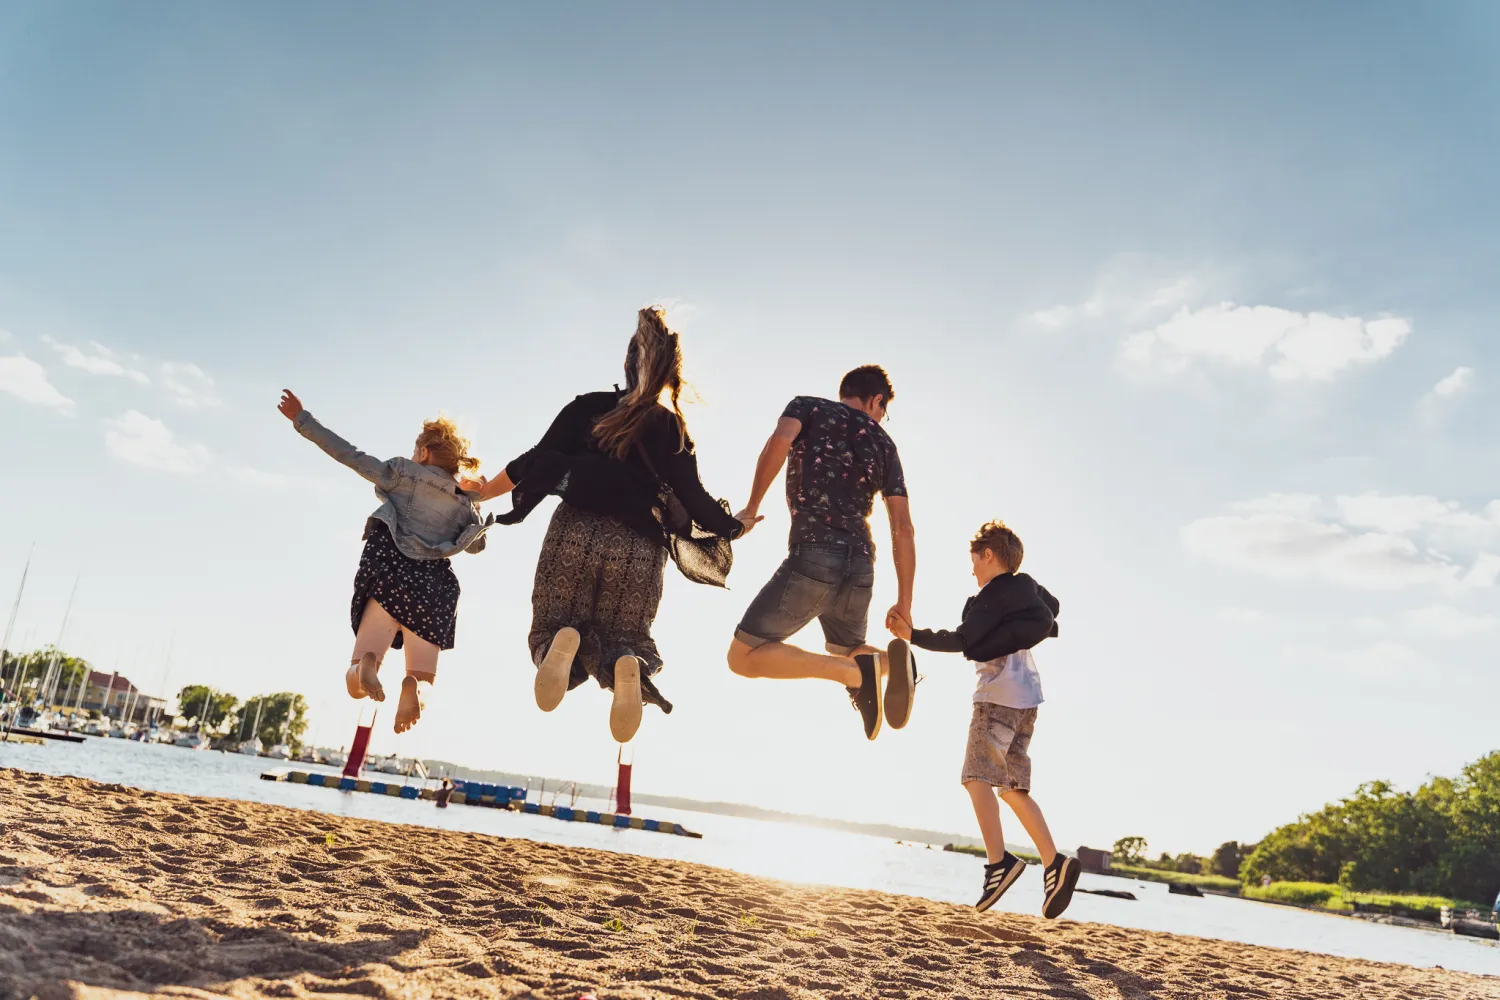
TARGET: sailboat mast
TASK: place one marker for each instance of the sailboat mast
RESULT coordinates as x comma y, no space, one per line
50,679
15,608
165,670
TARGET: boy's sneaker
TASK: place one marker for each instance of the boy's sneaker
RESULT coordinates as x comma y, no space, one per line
901,684
997,878
1058,879
867,697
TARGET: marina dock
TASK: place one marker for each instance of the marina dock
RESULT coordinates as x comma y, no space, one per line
474,793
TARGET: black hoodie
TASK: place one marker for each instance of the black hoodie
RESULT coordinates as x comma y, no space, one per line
1010,613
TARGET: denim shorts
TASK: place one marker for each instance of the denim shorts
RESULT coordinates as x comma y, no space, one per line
997,751
827,582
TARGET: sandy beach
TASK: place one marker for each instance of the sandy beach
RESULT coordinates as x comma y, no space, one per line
107,889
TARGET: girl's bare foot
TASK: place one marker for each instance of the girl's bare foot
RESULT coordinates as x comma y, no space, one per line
363,679
351,681
409,708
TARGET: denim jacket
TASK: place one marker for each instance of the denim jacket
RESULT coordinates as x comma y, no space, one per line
428,515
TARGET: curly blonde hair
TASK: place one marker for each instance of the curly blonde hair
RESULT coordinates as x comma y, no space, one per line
446,447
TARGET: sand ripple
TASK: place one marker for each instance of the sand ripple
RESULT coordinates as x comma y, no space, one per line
105,888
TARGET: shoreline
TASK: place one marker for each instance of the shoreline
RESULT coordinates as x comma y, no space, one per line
108,886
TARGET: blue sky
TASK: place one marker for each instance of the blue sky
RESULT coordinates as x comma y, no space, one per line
1200,299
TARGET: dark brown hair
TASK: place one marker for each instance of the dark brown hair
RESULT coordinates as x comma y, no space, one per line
653,366
999,539
865,382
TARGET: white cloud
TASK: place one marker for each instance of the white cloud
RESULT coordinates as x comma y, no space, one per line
1458,382
27,381
188,385
1407,513
1448,622
141,440
1058,317
1130,290
1290,345
1371,541
98,360
145,441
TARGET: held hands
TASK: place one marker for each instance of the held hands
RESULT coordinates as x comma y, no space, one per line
749,519
290,406
898,621
471,485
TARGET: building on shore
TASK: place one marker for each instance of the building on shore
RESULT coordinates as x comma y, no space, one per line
116,697
1094,861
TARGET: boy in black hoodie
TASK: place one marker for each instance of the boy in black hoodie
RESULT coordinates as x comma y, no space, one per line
1010,614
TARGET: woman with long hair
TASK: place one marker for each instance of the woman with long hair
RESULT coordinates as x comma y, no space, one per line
627,473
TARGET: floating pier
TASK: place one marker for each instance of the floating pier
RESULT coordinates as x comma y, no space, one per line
474,793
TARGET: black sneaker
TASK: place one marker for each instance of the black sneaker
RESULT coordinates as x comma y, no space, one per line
867,697
1058,879
900,684
997,878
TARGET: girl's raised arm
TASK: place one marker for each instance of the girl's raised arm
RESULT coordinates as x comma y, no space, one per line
382,474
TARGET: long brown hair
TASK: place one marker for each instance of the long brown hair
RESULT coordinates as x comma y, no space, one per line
653,366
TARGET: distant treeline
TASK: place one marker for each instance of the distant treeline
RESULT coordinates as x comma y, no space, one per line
1442,839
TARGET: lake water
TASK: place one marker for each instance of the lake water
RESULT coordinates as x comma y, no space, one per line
774,850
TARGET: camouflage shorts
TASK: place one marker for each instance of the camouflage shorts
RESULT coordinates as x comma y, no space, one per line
999,738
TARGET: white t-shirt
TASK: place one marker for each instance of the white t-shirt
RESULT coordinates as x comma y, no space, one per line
1011,681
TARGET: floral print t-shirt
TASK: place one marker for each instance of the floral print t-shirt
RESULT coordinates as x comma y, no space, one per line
840,460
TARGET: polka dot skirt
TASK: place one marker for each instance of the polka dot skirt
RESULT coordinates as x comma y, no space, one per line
421,594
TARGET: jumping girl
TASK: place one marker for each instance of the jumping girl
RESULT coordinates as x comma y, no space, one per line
405,593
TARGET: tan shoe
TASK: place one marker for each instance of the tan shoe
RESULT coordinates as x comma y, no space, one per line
557,666
625,713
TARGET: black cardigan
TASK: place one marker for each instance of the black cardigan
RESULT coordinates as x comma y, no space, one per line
636,489
1010,613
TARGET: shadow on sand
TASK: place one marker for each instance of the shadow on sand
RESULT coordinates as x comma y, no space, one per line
128,949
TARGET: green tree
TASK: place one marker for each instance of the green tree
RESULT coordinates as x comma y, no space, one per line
1129,851
1471,804
1190,864
283,719
1228,859
203,707
30,671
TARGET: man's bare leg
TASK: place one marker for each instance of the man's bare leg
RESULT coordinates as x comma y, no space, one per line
784,662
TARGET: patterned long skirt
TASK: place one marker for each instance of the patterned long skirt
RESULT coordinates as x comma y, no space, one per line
605,580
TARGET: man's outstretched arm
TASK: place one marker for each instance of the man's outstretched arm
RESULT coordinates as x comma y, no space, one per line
904,553
768,466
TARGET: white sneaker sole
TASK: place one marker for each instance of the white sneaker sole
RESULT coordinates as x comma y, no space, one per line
625,713
557,665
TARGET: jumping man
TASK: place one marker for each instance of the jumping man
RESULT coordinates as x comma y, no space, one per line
840,457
